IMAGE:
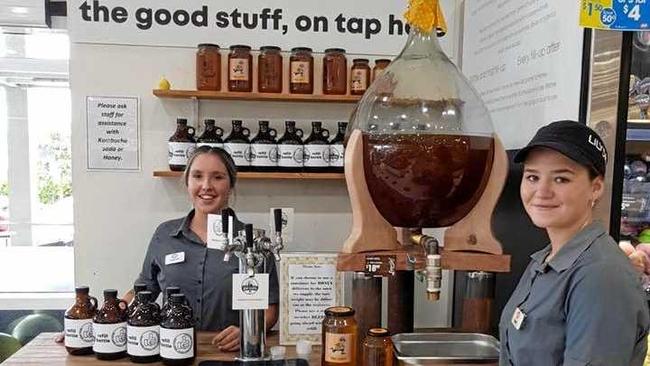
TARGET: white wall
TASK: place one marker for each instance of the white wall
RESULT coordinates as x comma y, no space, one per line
116,213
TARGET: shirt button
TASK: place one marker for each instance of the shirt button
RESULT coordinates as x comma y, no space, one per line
199,281
198,300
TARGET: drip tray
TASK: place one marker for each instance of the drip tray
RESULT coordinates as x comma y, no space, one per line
445,348
292,362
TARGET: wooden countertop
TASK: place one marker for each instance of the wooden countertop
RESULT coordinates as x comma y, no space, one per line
43,351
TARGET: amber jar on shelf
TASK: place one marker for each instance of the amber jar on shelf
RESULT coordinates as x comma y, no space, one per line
335,72
208,67
380,65
269,70
360,78
240,69
339,337
301,71
377,348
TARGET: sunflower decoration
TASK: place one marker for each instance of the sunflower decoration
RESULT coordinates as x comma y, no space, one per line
426,15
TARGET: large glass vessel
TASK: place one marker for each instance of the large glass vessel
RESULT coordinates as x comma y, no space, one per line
427,137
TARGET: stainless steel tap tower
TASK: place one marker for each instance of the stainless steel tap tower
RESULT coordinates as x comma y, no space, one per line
253,248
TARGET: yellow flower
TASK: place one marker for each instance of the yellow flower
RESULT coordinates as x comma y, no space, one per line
425,15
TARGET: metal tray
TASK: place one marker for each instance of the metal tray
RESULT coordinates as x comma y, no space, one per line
445,348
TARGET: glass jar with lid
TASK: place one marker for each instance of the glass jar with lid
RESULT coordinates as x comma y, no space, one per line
377,348
269,67
301,71
208,67
380,65
360,78
339,337
335,72
240,69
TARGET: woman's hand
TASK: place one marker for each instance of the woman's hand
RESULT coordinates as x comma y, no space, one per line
59,338
227,340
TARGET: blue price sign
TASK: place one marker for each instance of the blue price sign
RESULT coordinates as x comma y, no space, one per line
624,15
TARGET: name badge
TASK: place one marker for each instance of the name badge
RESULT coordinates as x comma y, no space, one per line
175,258
518,318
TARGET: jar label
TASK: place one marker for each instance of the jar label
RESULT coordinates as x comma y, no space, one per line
264,155
78,333
337,155
338,347
109,338
300,72
211,144
239,69
176,344
143,341
240,153
359,80
179,152
291,156
317,155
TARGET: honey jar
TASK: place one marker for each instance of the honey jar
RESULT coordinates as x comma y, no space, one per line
240,69
301,71
339,337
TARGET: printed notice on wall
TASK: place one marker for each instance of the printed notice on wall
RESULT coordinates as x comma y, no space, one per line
525,59
309,285
113,133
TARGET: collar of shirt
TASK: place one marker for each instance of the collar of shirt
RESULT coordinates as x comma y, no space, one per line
569,253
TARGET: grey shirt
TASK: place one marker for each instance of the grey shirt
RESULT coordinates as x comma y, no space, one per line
584,307
204,278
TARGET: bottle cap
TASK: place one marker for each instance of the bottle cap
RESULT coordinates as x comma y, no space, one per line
378,332
82,290
339,311
139,287
110,293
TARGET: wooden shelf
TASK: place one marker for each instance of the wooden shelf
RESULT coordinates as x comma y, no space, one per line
255,175
213,95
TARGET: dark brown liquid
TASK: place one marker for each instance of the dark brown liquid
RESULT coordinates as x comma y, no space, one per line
146,314
84,308
114,311
426,180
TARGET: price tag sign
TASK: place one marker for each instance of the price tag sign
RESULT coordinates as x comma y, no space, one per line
380,265
250,292
622,15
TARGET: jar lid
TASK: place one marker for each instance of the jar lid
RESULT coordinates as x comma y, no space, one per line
209,121
181,120
172,290
144,296
110,293
378,332
139,287
361,60
208,45
270,48
382,60
301,49
242,46
82,290
339,311
340,50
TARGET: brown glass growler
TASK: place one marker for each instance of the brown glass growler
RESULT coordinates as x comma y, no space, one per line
238,146
109,327
290,149
317,150
377,349
169,291
337,151
264,149
211,136
134,303
177,333
181,145
78,323
143,330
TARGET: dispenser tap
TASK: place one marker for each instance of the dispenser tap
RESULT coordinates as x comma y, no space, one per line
433,270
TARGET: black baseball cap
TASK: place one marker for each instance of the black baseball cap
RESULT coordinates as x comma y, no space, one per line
572,139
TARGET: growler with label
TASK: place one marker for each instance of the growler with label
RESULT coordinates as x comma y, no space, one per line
317,150
339,337
238,146
134,303
143,330
78,323
109,327
290,149
177,333
211,136
337,151
264,149
169,291
181,145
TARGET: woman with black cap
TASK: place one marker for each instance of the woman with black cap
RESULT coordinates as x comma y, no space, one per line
579,302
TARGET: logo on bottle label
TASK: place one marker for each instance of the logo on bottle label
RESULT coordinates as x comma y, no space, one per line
240,153
250,286
264,155
176,343
78,333
109,338
316,155
338,347
300,72
143,341
290,155
359,80
179,152
337,155
238,69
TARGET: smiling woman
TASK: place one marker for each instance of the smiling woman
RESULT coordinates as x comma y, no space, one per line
581,288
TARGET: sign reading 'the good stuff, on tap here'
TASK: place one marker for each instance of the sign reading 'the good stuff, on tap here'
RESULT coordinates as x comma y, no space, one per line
624,15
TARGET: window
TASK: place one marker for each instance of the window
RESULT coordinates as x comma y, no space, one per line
36,217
